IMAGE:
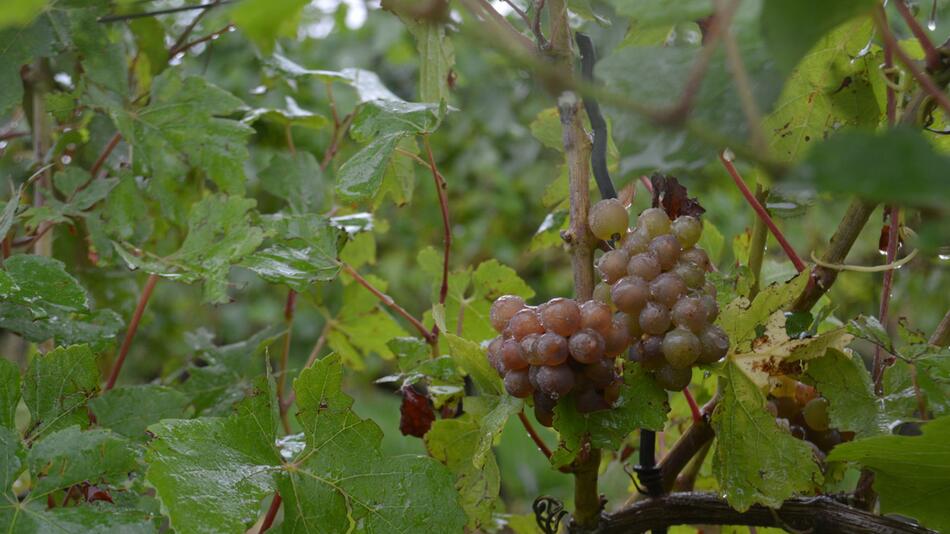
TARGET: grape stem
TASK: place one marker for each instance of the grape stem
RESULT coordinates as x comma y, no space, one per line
693,407
133,328
542,446
289,307
762,213
390,303
893,239
931,55
271,513
440,187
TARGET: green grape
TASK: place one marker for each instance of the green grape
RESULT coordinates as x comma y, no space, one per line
608,218
630,294
561,316
556,381
815,414
673,379
715,344
613,265
602,293
689,312
651,353
681,348
552,349
645,266
786,407
696,256
667,288
687,230
596,316
692,274
632,323
654,222
523,323
586,346
503,309
517,384
635,242
512,356
711,306
666,249
655,319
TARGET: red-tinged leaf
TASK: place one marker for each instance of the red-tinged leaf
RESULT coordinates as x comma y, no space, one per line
416,413
668,193
95,493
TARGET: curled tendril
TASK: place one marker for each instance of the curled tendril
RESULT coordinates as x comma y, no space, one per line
548,512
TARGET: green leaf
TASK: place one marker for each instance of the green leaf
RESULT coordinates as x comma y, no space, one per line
911,473
56,387
399,181
9,394
19,46
436,59
492,279
8,216
790,28
265,20
12,459
71,456
228,461
362,175
93,518
663,12
98,329
845,382
293,115
642,404
473,360
464,445
740,318
304,252
220,232
830,89
393,116
129,410
43,283
21,12
362,327
342,480
755,462
181,127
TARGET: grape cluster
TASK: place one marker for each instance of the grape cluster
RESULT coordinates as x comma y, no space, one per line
799,409
557,348
656,280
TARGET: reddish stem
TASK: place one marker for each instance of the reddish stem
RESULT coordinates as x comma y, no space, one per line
213,35
534,435
110,146
925,81
693,407
30,239
271,513
646,183
289,307
13,135
762,213
440,187
133,326
930,53
390,303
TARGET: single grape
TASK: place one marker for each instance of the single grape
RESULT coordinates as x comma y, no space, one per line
529,348
630,294
612,392
666,249
715,344
552,349
590,401
613,265
644,265
673,379
815,414
523,323
696,256
618,339
494,356
825,440
711,306
635,242
561,316
503,309
602,293
692,274
687,230
632,323
596,316
786,407
600,373
655,319
512,356
517,383
651,353
654,222
587,346
681,348
544,408
804,393
667,288
556,381
608,218
533,375
689,312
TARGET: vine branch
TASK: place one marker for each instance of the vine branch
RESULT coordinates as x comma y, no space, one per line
440,187
390,303
130,332
931,55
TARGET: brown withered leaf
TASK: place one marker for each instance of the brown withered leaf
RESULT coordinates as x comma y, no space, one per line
669,194
416,413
